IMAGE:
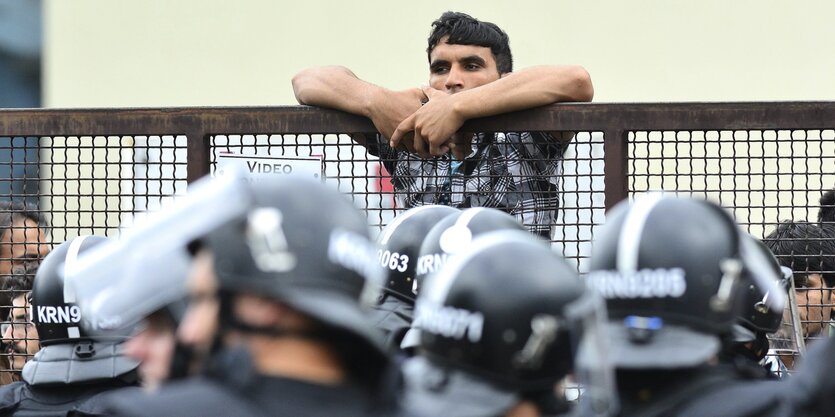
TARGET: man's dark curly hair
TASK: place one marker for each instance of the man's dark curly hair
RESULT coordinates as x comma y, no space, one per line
13,210
826,214
11,286
464,29
806,248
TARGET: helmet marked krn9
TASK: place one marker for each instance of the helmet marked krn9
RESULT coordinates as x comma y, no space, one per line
55,311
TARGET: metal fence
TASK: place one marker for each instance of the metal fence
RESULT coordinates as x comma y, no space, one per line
99,170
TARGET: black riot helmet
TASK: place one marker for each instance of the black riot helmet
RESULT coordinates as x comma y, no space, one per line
399,247
305,245
671,272
455,233
758,314
491,332
55,311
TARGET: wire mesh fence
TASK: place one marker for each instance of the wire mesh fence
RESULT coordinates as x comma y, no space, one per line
74,185
766,162
764,177
572,190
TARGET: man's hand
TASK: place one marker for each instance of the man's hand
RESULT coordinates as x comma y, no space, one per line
433,125
390,108
461,145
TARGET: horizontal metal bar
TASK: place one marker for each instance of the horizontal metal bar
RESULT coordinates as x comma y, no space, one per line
312,120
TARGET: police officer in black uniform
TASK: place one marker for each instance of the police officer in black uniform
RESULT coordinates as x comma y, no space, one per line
496,338
672,273
399,247
72,369
292,272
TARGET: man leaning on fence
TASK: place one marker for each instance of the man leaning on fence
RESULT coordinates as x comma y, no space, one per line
470,76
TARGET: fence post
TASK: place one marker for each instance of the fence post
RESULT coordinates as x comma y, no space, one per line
615,159
198,148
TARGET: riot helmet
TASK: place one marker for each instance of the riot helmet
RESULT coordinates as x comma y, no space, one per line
69,354
55,311
759,315
305,245
493,332
399,248
455,233
671,272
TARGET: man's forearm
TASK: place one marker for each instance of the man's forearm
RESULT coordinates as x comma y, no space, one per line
532,87
435,124
334,87
338,88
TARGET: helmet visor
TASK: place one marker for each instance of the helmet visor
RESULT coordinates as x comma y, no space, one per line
762,274
788,340
595,373
120,283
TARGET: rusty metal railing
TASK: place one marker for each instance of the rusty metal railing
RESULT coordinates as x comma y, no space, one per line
101,168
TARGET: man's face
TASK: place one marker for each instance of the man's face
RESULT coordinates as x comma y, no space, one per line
455,68
814,301
199,324
153,346
19,334
21,243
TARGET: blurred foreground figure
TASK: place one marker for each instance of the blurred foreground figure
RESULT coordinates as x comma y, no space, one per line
500,325
673,273
73,369
284,283
139,283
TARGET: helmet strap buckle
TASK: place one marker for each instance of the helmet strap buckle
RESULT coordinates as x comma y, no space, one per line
543,332
731,270
85,350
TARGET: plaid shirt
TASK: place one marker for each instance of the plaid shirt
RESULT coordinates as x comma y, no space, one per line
514,172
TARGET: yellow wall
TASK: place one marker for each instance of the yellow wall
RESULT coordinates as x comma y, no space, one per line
106,53
109,53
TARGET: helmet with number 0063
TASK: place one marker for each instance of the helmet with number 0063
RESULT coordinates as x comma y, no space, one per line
55,310
399,247
492,332
671,272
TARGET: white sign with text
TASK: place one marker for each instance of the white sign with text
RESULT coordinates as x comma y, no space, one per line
262,167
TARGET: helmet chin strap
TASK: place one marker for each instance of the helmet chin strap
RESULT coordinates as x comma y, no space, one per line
757,351
181,360
229,322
